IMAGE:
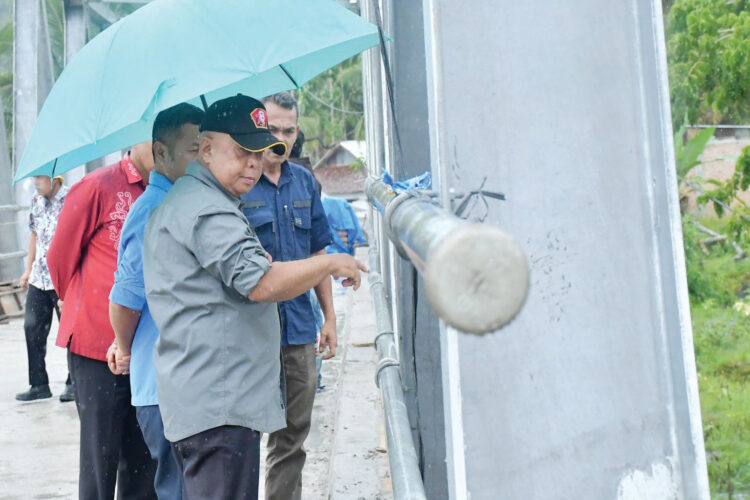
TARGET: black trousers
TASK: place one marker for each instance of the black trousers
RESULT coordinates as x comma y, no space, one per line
40,304
222,463
112,446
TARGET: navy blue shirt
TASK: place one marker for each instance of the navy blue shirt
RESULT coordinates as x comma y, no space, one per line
291,224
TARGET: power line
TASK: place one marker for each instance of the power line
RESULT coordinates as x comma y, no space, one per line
331,106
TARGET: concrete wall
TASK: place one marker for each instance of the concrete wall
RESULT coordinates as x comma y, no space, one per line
591,392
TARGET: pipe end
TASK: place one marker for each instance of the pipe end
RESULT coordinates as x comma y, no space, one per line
477,279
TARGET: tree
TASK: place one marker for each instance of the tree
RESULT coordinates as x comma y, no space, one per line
331,108
708,49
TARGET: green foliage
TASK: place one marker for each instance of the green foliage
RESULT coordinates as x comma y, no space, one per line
56,27
331,108
722,348
6,76
726,194
708,49
686,155
718,277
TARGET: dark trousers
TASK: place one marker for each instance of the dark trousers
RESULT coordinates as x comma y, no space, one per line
286,455
220,463
112,447
40,304
168,480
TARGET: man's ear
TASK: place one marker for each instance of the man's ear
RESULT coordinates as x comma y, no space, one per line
205,149
160,152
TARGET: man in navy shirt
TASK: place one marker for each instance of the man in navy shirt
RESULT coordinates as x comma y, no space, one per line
285,210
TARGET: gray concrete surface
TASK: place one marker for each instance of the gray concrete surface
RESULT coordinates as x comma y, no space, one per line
347,457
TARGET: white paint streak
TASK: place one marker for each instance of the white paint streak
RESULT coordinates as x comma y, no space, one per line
456,450
659,484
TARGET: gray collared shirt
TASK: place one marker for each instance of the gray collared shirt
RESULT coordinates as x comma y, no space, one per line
217,358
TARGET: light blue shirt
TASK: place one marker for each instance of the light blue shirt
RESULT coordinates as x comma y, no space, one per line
129,290
341,217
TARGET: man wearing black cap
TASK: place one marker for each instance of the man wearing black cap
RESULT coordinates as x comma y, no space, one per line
285,211
212,292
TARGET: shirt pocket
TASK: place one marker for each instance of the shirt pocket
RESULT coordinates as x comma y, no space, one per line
302,223
262,221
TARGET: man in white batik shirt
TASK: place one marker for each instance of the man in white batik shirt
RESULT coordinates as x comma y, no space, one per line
41,298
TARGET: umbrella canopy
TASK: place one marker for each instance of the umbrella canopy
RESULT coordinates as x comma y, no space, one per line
173,51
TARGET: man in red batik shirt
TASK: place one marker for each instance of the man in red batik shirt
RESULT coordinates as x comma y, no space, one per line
82,259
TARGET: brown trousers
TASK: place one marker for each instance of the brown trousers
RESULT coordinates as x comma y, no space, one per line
286,455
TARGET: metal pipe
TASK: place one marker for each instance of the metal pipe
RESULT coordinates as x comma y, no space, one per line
406,477
11,208
476,275
12,255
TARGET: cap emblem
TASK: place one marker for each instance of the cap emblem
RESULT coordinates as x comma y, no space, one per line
259,118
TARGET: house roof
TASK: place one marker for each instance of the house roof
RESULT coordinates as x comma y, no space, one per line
341,179
358,149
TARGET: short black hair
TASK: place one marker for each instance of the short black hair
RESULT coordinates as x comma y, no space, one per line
296,151
169,121
284,100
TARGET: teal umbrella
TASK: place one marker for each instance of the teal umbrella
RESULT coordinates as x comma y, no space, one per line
172,51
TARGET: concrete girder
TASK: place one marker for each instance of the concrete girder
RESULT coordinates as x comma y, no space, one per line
76,36
33,79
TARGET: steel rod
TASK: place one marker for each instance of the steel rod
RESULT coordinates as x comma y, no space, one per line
12,255
476,275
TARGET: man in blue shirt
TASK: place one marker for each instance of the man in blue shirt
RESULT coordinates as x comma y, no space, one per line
345,228
175,144
285,210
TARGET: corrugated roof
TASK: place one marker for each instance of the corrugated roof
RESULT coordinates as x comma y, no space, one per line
341,179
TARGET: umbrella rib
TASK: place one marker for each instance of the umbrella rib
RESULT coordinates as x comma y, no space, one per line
291,79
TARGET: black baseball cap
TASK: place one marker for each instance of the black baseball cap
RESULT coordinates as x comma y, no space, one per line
245,120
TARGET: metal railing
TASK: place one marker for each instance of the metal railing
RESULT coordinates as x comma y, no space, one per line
15,254
406,477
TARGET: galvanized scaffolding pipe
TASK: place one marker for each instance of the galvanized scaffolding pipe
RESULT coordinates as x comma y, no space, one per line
13,255
402,457
476,275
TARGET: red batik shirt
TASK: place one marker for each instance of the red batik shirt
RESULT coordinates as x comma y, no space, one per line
82,257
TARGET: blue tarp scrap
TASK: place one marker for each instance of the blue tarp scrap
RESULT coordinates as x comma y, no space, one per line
418,183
